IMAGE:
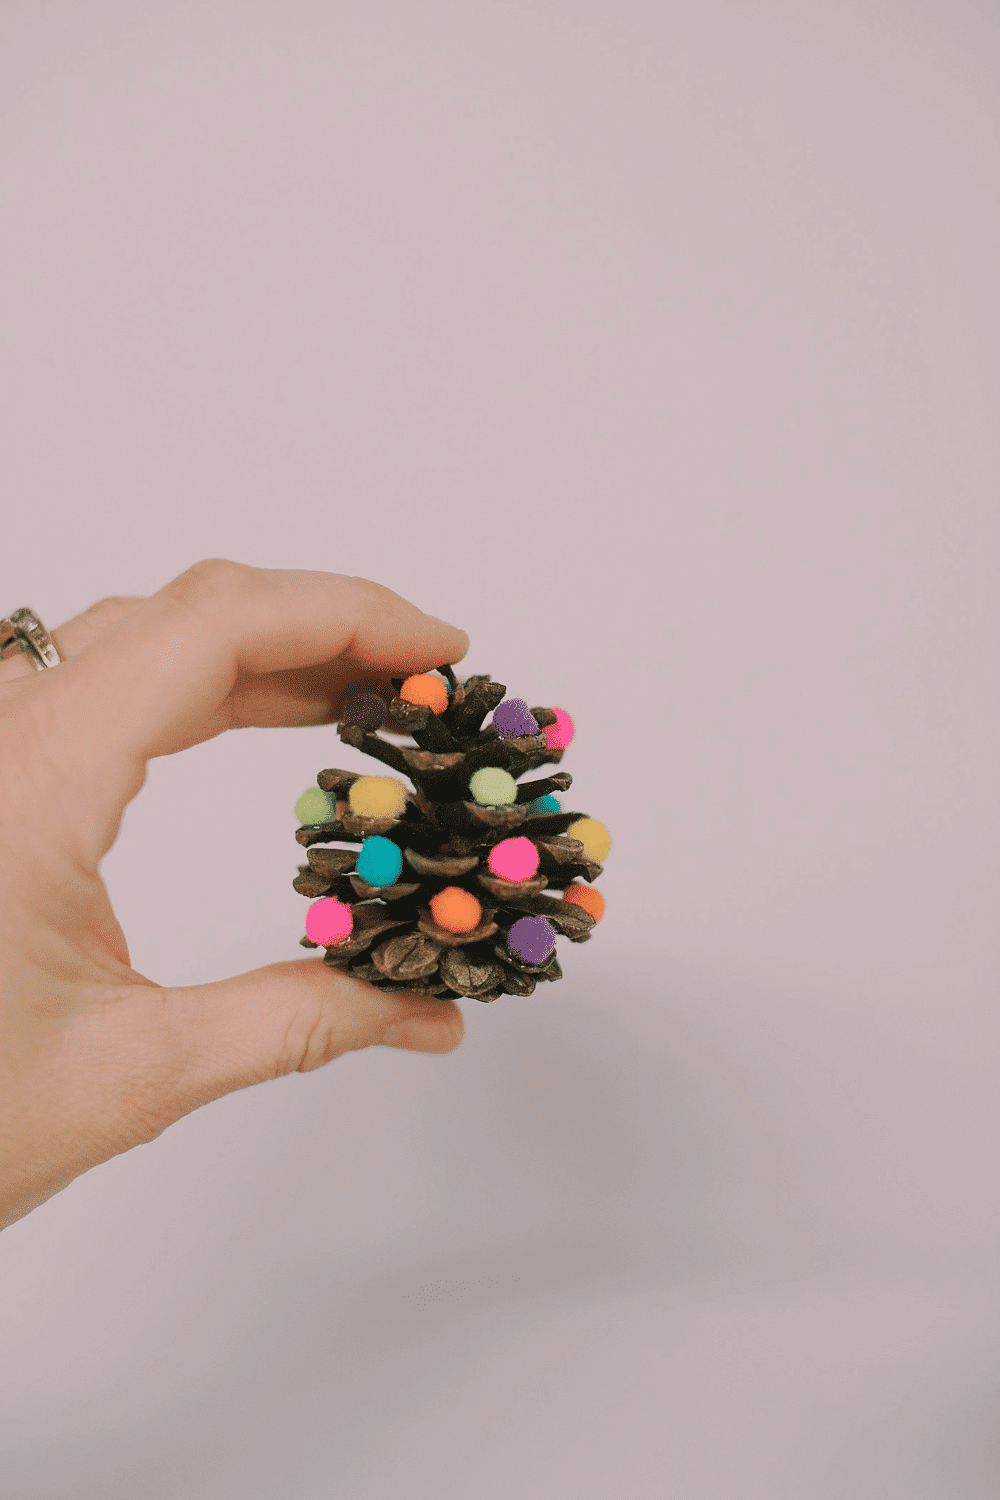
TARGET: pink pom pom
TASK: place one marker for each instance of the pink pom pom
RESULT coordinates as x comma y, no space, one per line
559,734
514,859
329,921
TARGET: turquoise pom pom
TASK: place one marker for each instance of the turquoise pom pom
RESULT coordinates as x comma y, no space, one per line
543,805
380,861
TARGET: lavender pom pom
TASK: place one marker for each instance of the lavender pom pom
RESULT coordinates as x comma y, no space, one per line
532,940
511,719
367,710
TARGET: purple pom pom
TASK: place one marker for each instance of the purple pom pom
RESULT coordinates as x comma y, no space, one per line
511,719
367,710
532,940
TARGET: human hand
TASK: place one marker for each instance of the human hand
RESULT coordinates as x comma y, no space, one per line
96,1058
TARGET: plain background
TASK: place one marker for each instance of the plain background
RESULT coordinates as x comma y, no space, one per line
656,345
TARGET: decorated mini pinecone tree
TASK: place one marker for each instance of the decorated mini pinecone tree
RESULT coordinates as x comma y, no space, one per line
459,884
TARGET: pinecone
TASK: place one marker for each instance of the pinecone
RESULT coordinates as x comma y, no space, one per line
445,891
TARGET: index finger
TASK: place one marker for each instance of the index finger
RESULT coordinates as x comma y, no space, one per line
168,676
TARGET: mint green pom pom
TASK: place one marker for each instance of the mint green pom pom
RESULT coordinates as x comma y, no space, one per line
492,787
315,806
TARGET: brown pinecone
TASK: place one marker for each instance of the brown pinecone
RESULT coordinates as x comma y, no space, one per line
445,837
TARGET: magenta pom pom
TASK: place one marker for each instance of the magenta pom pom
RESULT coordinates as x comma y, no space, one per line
559,734
329,921
514,859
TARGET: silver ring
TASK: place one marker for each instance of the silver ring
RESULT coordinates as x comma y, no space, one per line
23,628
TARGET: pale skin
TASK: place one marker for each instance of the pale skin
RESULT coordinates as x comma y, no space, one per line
96,1058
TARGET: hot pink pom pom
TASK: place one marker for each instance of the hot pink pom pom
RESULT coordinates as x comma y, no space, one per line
329,921
514,859
559,734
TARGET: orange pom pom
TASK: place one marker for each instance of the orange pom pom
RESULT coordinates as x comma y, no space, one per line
587,897
425,689
456,910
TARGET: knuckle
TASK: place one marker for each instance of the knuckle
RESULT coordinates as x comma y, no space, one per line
371,594
111,609
311,1042
212,573
208,580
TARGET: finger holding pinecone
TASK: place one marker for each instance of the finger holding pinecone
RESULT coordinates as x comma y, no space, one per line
460,883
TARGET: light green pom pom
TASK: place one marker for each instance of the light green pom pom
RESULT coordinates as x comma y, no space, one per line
492,787
315,806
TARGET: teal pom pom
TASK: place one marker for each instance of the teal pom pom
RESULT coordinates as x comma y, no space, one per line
543,805
380,861
315,806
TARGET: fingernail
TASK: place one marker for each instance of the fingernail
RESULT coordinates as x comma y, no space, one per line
448,625
417,1034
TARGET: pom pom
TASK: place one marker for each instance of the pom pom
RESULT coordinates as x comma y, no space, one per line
377,797
367,710
559,734
544,804
587,897
456,910
512,719
514,859
594,837
315,806
532,940
425,689
329,922
380,861
492,787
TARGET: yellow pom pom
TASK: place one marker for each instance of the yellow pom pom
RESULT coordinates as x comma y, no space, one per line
425,689
377,797
456,910
594,837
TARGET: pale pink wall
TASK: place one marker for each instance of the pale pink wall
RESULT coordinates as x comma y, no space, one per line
656,345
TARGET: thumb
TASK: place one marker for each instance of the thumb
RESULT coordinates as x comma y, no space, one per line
289,1017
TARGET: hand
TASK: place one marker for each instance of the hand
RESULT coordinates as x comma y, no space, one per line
96,1058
